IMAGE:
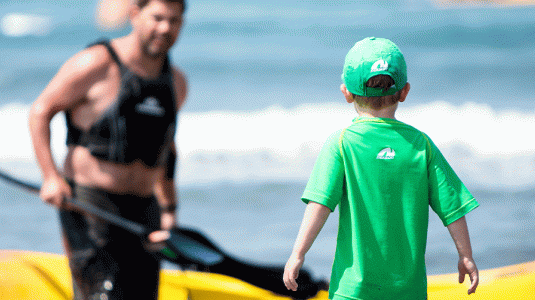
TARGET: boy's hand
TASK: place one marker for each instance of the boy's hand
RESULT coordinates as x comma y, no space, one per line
459,233
467,266
315,216
291,272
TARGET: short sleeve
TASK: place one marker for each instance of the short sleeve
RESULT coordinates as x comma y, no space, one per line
448,196
325,185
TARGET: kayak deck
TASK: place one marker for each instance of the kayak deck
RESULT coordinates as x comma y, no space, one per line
33,275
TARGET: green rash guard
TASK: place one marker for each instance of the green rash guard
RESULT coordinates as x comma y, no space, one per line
384,174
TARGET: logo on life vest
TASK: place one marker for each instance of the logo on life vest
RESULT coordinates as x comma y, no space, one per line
386,153
380,65
150,106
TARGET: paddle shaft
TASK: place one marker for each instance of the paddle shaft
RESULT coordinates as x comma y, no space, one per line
84,207
29,186
131,226
188,247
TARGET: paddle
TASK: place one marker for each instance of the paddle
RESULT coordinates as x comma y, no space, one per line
188,247
177,244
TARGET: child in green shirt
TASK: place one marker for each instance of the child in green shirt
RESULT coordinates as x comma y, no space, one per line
383,174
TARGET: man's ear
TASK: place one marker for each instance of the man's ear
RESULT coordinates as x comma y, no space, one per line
404,92
347,94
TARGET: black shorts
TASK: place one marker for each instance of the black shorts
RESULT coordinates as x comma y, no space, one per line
108,262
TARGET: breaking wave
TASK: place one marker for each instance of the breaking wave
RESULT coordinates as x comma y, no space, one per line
489,149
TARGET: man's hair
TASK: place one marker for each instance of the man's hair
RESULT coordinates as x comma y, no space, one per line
383,82
142,3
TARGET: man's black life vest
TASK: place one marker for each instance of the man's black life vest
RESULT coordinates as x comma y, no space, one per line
139,125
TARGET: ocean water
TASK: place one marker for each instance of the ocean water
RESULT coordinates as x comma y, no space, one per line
264,95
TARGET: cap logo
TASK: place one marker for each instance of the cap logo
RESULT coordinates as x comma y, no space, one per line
379,65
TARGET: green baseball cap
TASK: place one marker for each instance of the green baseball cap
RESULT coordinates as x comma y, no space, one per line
370,57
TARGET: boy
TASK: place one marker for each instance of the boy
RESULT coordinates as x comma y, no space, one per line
383,174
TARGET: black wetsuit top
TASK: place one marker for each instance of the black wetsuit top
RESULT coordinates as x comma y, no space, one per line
140,124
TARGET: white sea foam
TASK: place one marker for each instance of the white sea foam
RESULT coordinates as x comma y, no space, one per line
17,25
488,149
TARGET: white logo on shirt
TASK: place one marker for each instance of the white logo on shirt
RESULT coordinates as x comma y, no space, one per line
379,65
150,106
386,153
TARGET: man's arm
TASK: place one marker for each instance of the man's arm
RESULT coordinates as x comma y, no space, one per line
165,191
165,188
459,233
315,217
180,87
66,90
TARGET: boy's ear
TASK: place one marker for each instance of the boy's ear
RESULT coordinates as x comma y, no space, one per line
404,92
347,94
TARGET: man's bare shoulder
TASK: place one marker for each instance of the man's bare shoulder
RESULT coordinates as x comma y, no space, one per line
90,62
76,77
180,86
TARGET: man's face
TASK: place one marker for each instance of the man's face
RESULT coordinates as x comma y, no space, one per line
158,24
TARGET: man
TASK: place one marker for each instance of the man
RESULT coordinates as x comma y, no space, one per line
121,98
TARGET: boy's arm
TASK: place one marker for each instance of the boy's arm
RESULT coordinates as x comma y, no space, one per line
315,216
459,233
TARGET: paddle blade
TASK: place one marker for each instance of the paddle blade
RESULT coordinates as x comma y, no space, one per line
188,248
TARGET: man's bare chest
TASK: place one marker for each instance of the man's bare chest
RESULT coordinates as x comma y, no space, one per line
100,97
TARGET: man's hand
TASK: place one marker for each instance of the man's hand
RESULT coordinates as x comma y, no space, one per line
55,190
156,240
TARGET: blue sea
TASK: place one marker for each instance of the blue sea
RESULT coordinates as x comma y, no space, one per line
264,95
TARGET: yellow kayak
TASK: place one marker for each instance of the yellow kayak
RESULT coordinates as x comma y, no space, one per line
32,275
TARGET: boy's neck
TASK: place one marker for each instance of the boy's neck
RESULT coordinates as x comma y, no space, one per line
386,112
